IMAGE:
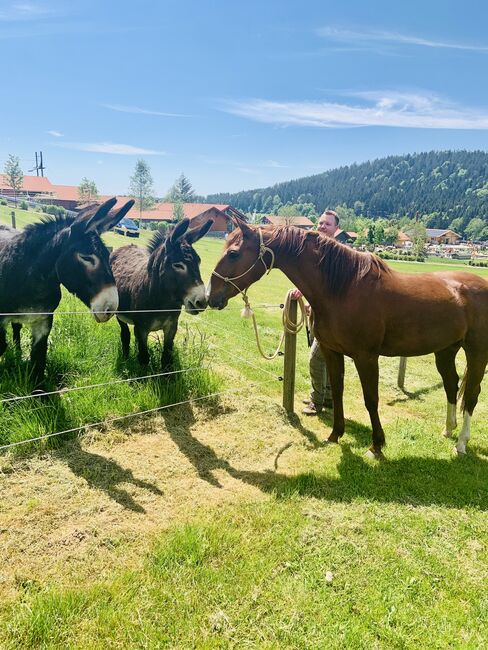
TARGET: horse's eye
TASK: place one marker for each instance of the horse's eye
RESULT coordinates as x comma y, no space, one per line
179,266
233,255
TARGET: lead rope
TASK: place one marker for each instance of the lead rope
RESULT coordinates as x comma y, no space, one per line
288,326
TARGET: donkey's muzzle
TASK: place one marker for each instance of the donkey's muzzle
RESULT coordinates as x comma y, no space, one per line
105,303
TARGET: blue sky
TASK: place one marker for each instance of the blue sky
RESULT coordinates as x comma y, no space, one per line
237,95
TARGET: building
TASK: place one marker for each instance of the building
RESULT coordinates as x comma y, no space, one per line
345,237
439,236
403,240
32,186
198,213
299,221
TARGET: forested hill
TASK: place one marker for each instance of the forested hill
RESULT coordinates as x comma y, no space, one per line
451,184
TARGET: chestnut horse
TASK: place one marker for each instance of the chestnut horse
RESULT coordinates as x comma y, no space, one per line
363,309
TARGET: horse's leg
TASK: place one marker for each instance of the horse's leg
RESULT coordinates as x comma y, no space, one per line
124,338
445,360
40,335
170,327
16,327
3,340
476,363
335,367
141,334
368,371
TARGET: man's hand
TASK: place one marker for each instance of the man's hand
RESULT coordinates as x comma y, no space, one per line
296,294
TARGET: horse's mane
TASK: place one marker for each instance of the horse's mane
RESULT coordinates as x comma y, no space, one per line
341,266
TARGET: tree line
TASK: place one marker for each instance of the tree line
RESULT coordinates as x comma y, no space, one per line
446,189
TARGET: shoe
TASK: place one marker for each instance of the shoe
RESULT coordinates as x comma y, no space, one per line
311,409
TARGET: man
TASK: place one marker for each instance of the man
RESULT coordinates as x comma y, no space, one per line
320,395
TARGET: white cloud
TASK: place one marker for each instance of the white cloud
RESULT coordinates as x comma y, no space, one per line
141,111
111,148
23,11
370,37
374,108
56,134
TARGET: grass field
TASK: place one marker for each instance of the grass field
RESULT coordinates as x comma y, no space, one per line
229,524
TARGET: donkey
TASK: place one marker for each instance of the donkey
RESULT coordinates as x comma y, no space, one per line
163,276
35,262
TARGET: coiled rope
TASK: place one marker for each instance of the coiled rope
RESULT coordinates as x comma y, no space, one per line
289,327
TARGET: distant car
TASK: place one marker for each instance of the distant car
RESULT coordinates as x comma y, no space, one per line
127,228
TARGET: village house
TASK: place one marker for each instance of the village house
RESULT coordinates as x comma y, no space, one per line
299,221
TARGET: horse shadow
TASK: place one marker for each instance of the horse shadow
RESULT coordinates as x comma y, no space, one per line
104,474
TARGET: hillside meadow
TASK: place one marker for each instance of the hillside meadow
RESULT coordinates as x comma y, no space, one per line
223,522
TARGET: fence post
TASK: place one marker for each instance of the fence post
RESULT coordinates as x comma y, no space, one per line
290,362
401,373
12,215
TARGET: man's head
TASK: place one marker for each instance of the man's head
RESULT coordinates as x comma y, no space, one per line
328,223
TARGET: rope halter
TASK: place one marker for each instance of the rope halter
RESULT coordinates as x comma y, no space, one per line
263,249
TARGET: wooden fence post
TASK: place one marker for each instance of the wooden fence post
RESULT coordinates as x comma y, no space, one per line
290,362
12,216
401,373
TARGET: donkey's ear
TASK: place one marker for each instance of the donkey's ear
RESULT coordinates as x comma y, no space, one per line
179,231
87,222
197,233
114,216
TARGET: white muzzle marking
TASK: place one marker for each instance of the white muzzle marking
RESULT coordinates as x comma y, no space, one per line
104,304
195,299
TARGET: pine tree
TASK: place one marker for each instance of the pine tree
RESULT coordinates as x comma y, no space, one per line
141,186
181,190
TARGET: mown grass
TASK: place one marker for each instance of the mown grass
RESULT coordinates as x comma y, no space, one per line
293,572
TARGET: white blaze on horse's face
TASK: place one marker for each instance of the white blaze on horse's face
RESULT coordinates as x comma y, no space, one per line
104,304
195,299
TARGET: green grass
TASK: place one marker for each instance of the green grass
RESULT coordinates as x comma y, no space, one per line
294,572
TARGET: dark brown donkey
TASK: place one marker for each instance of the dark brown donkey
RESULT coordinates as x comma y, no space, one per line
364,309
163,276
36,261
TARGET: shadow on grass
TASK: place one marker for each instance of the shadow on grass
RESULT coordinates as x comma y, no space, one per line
360,432
203,458
418,481
416,394
103,474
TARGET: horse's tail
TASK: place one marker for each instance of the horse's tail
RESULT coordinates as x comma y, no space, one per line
462,388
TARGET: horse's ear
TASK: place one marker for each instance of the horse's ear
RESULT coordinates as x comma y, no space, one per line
87,222
243,226
114,216
179,231
197,233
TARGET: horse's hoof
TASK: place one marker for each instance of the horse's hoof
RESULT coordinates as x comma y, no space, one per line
447,434
459,452
374,455
333,439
